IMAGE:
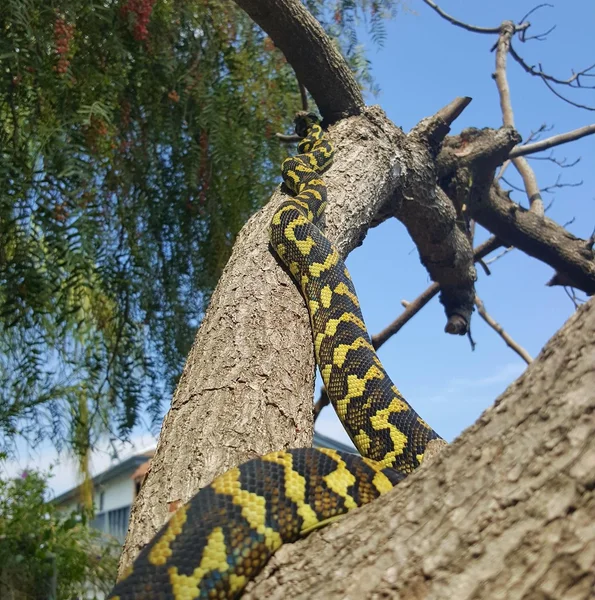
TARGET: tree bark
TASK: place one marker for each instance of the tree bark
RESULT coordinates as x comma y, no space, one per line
506,511
539,237
316,60
247,386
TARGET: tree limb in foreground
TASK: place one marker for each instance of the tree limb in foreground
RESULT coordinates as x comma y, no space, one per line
505,511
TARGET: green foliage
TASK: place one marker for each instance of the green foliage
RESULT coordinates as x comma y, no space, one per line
136,138
38,540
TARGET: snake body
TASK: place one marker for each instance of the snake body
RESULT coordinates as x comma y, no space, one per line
224,535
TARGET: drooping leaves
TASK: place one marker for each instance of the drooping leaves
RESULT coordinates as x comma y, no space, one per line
136,138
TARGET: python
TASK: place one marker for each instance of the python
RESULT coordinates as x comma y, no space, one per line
217,542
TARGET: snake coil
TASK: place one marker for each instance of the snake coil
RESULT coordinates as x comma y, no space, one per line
223,536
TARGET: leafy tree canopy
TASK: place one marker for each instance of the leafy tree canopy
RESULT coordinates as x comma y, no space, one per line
136,137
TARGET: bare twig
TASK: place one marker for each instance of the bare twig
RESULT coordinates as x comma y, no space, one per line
410,311
539,36
548,188
323,400
500,331
555,140
499,256
556,93
535,9
573,79
571,293
467,26
521,164
303,95
559,162
502,170
560,184
288,139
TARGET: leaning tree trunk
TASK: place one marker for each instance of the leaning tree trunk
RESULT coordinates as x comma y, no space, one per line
506,511
247,386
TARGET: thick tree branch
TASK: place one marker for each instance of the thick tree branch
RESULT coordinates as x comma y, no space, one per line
537,236
317,62
466,168
505,511
431,220
501,332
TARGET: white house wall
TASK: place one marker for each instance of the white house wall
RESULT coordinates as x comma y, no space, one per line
117,493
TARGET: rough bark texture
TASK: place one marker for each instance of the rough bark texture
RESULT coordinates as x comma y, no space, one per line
247,385
317,62
465,169
506,511
539,237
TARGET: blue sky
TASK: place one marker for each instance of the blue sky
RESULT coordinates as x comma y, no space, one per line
424,64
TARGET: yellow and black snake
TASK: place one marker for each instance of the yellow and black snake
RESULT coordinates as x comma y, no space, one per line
224,535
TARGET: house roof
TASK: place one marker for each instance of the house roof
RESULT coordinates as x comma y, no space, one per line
128,465
137,465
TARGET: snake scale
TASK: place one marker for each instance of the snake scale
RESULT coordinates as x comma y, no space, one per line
224,535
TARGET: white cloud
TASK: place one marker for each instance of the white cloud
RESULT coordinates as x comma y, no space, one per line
505,374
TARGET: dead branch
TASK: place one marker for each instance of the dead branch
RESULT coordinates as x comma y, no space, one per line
500,331
502,48
535,9
559,162
288,139
303,96
430,219
555,140
573,79
548,189
537,236
467,26
556,93
504,252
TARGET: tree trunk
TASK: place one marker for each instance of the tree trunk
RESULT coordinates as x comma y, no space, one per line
247,386
506,511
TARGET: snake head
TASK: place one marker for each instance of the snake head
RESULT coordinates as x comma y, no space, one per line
304,120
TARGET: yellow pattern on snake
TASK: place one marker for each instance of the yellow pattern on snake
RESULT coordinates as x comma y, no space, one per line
225,534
